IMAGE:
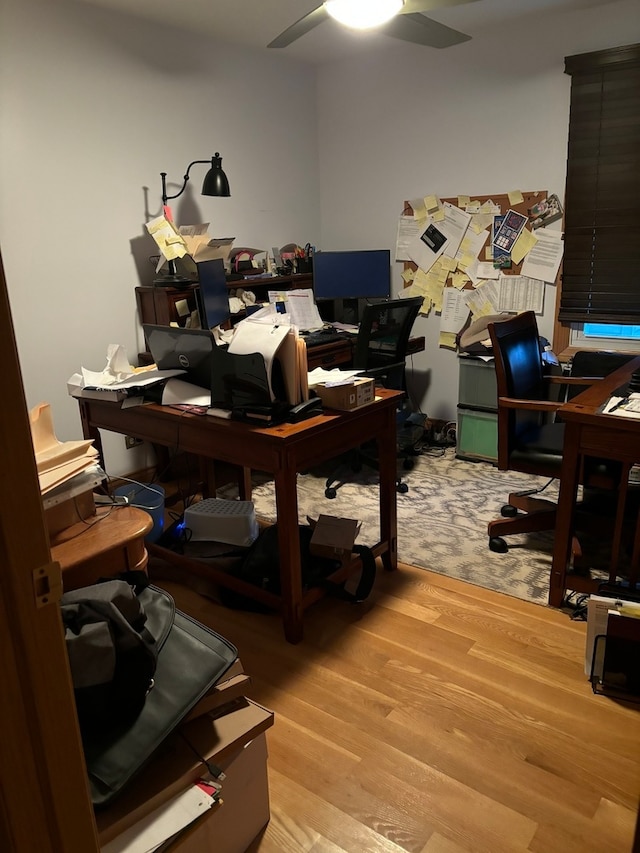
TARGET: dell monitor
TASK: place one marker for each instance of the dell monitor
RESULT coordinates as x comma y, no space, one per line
346,277
214,295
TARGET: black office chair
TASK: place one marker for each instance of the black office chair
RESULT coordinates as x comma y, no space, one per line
529,439
380,352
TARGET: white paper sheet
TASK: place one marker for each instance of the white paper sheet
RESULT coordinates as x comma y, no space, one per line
319,374
438,238
543,261
455,310
151,831
520,293
178,392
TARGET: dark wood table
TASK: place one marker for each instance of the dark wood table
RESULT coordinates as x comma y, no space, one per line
282,451
591,433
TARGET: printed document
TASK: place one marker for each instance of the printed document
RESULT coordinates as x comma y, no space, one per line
442,237
543,260
520,293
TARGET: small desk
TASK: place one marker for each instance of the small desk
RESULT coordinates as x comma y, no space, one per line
110,542
589,432
283,451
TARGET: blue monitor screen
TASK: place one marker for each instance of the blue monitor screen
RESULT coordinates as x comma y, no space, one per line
214,296
352,275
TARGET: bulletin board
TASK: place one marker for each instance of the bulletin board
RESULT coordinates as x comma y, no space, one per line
500,199
437,284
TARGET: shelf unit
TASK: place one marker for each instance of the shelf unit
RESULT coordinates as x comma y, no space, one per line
163,306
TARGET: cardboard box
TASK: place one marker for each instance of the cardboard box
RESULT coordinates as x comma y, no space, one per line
221,695
243,812
70,511
359,392
174,765
333,537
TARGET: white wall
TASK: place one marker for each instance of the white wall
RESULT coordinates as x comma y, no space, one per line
95,105
486,116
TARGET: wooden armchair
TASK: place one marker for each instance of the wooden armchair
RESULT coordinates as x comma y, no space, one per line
530,440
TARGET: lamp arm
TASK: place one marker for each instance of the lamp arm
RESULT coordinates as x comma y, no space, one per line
163,175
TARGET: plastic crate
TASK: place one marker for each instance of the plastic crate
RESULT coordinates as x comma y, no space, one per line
477,435
477,383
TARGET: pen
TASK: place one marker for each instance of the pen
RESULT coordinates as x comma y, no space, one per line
617,405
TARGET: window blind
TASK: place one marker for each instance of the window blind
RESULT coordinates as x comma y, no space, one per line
601,265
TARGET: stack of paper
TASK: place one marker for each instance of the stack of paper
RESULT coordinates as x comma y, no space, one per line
57,461
117,380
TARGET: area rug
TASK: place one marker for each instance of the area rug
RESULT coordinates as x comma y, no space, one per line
442,520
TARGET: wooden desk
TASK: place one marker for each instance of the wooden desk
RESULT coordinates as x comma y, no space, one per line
589,432
331,354
282,451
336,353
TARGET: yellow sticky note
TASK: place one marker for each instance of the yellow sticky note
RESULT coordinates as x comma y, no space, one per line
523,245
463,200
459,279
447,339
420,283
408,275
515,197
438,216
425,308
419,210
431,203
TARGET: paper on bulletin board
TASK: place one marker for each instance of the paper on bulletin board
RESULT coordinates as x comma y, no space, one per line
543,260
439,238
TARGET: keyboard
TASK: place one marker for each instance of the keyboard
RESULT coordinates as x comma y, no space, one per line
316,339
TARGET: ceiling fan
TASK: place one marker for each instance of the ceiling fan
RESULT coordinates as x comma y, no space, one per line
403,21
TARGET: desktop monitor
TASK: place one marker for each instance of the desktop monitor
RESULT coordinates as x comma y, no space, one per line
362,274
214,296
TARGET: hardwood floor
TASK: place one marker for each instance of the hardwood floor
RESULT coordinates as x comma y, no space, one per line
438,717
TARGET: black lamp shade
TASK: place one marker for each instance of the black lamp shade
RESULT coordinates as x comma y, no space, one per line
215,181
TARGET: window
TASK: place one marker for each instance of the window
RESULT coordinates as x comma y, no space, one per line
605,336
601,265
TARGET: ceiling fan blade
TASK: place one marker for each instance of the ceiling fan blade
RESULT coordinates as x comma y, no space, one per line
411,6
422,30
301,27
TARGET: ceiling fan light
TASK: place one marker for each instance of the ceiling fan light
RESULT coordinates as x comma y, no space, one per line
363,14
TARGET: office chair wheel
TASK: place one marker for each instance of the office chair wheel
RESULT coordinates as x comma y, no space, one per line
509,511
402,488
497,544
330,493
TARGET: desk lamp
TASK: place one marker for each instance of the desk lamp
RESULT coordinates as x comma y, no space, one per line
215,184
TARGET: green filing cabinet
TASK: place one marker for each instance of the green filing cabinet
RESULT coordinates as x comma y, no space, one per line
477,428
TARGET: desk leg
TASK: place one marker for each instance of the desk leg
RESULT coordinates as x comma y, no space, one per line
569,477
90,432
289,547
387,462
